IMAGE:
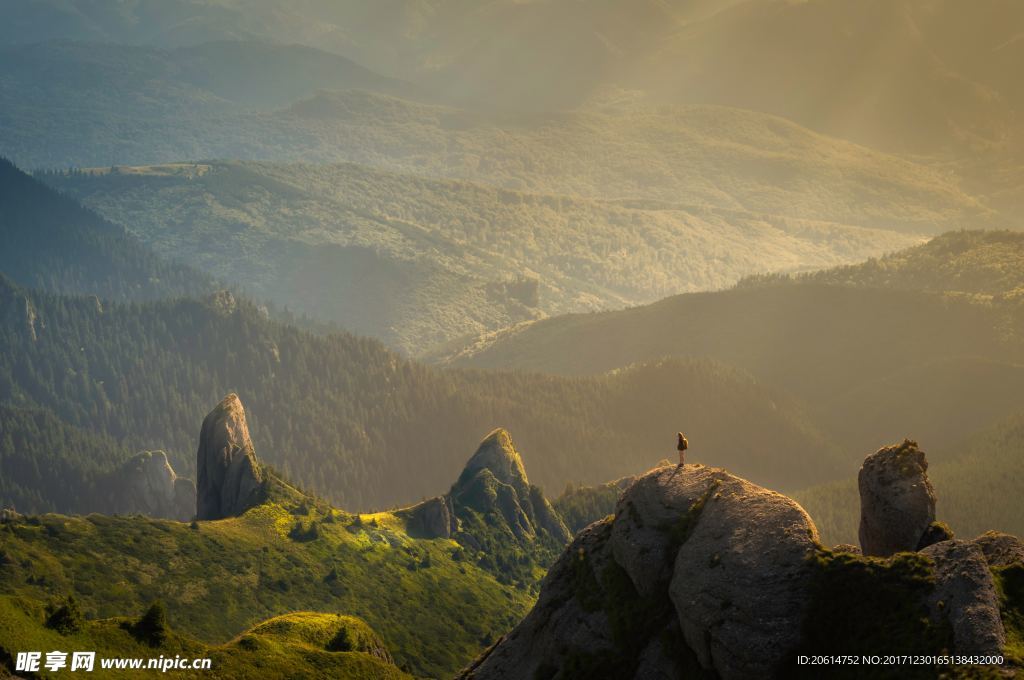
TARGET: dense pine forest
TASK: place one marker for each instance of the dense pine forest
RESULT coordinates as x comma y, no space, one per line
355,422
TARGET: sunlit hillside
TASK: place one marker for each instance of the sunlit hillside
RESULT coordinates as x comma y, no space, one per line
422,261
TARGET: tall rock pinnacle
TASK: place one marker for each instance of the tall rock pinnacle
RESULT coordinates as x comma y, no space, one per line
897,502
229,477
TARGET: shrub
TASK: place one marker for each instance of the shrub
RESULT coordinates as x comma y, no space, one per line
152,628
66,618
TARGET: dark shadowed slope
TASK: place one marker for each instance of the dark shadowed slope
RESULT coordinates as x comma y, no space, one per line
51,242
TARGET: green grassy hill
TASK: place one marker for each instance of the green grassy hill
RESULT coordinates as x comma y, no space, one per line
292,552
424,261
218,579
278,648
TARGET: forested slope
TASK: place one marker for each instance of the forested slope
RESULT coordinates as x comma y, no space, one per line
360,425
50,241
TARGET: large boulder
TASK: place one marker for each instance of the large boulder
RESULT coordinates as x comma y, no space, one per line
702,574
741,579
147,484
897,501
229,477
697,568
965,596
651,518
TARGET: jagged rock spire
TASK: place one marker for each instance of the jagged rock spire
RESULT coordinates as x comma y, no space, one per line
495,479
229,477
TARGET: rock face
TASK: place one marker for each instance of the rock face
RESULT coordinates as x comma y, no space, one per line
965,596
741,579
494,479
697,567
1001,550
539,646
896,499
229,477
146,484
433,518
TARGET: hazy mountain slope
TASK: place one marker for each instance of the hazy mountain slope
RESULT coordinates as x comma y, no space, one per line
412,37
682,156
417,262
918,75
137,104
50,241
875,363
696,156
978,485
982,264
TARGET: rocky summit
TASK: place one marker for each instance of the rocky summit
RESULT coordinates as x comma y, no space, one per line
494,480
230,480
696,568
896,499
700,573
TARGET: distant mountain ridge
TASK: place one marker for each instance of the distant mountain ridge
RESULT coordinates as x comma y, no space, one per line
424,261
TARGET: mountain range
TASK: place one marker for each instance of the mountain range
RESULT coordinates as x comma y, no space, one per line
784,229
426,261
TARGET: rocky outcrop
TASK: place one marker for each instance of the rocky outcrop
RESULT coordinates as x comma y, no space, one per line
146,484
229,477
897,500
494,481
695,557
433,518
568,620
1001,550
700,572
965,597
17,311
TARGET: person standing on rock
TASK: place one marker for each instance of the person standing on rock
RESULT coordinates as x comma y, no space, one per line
681,447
